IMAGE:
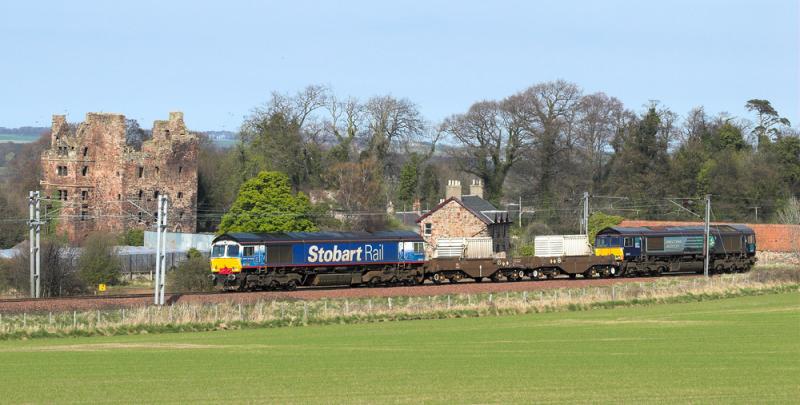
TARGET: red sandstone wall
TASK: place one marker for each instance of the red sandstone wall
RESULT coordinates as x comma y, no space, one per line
769,237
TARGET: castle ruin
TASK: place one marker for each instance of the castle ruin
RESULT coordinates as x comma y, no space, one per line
95,180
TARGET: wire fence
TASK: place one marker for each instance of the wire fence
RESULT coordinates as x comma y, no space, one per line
275,313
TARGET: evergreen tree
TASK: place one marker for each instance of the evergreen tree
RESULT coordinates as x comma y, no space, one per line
266,203
409,181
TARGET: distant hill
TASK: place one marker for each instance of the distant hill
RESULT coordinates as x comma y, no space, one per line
29,131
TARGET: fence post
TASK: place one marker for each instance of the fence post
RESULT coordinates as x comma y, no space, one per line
346,306
469,299
50,318
24,319
369,304
525,296
241,316
390,302
74,319
613,293
305,312
490,298
98,318
448,301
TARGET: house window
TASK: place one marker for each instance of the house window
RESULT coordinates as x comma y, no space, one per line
428,229
141,172
85,170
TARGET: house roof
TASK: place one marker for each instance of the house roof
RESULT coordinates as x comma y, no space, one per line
482,209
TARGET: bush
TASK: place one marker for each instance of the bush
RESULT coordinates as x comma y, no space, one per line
132,237
191,275
58,273
99,263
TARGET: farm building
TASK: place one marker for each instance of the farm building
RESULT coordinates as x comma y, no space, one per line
465,216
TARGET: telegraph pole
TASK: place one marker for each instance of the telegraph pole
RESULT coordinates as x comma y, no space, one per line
756,208
585,220
34,242
706,234
161,245
520,210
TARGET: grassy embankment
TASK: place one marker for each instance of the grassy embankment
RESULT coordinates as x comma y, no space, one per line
232,315
737,350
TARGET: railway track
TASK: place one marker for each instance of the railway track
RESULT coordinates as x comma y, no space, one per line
91,302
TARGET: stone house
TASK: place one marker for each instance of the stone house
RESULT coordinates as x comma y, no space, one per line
96,181
465,216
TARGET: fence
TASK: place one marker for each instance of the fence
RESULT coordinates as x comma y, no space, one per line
295,313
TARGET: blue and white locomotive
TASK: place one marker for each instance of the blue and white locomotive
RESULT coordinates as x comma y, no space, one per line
248,261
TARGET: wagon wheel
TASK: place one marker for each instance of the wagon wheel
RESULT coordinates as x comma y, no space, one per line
437,278
495,277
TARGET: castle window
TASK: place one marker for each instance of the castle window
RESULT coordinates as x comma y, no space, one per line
155,194
180,169
84,194
85,151
141,172
180,216
141,214
157,170
141,194
84,214
180,195
62,195
119,197
85,170
61,170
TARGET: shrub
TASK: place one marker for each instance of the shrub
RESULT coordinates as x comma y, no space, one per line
99,262
191,275
58,273
132,237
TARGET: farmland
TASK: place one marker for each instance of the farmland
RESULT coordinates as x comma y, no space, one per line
730,350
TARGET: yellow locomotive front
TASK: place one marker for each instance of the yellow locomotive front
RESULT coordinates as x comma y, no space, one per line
226,258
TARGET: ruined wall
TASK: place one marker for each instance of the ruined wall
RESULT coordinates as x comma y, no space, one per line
451,221
97,182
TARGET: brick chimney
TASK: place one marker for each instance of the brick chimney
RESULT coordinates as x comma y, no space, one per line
453,189
416,206
476,188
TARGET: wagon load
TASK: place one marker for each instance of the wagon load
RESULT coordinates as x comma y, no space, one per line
464,248
561,245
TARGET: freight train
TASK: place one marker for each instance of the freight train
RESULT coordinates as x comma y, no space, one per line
254,261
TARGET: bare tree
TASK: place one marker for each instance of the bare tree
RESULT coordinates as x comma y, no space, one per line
391,120
598,119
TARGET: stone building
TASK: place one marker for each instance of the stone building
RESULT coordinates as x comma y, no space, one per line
95,180
465,216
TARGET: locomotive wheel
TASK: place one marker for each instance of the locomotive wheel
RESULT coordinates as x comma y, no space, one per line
373,282
291,285
273,285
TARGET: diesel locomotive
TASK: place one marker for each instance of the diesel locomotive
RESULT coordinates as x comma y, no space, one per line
657,250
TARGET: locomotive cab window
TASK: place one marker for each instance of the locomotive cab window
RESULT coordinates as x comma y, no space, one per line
217,250
249,251
628,242
418,247
233,250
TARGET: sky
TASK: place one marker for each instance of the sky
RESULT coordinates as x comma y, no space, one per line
216,61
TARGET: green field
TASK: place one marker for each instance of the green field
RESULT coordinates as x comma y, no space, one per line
743,350
16,138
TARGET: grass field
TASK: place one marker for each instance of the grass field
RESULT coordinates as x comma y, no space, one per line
17,138
744,350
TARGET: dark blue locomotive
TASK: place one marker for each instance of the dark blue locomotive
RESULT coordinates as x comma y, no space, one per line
657,250
272,260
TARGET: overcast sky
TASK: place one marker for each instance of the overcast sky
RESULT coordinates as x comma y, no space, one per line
217,60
